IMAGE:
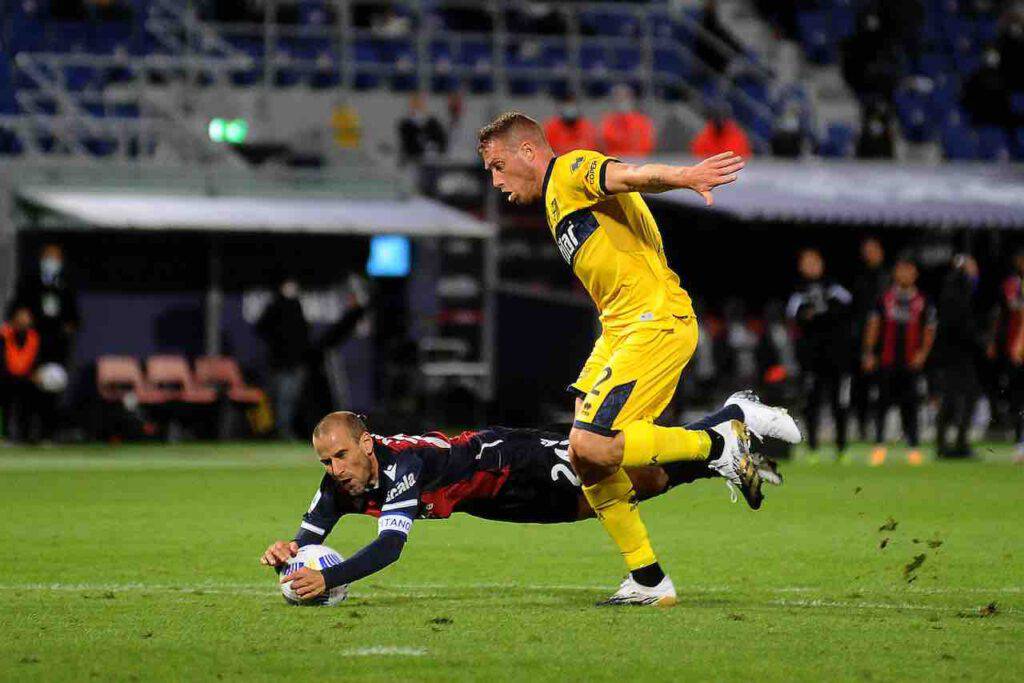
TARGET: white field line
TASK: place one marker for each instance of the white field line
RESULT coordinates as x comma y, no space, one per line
384,650
443,591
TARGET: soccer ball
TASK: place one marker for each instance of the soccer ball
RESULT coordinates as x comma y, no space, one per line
317,557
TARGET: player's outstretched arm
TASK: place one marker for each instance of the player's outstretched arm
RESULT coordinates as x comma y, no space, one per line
720,169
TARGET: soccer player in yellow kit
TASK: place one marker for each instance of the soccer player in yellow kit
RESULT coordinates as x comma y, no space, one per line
606,234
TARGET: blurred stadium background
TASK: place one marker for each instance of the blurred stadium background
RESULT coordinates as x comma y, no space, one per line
176,175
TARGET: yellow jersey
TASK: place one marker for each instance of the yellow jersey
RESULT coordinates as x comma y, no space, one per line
612,243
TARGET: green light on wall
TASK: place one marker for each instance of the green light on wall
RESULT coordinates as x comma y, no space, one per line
231,131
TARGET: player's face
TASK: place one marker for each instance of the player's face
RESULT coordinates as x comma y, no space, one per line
512,171
347,460
811,265
905,274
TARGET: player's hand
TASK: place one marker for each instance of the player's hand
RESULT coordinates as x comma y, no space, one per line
279,553
307,583
720,169
917,362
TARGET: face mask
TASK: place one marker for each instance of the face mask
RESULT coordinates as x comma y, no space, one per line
50,268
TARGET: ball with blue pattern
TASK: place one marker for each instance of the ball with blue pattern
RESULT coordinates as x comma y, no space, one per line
317,557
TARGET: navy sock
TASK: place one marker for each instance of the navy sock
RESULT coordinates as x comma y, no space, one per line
648,576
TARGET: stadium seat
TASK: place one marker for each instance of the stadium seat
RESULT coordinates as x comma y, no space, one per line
992,143
222,372
171,374
838,141
959,143
119,376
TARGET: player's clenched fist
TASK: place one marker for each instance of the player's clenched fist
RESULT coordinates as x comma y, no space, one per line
279,553
307,583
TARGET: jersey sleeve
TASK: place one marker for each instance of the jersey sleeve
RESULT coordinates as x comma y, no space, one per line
579,179
324,512
401,497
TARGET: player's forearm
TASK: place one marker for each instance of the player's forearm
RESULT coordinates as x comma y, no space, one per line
383,551
928,341
650,178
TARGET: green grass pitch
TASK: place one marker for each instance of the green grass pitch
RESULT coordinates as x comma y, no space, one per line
140,563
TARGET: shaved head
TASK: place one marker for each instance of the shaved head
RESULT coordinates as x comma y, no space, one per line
341,419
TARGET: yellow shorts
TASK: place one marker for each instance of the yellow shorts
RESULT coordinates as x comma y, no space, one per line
632,376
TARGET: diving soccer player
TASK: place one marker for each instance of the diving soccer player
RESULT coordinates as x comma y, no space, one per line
512,475
606,234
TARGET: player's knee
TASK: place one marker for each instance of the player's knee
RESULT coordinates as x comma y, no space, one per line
592,450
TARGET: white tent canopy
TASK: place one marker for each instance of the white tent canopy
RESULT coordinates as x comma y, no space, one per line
133,210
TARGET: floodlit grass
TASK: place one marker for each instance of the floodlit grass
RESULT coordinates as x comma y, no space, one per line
140,562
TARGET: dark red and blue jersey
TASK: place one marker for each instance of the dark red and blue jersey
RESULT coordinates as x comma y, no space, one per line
516,475
904,314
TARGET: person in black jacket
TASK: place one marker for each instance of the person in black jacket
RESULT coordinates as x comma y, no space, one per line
284,328
959,346
54,305
869,285
420,134
820,310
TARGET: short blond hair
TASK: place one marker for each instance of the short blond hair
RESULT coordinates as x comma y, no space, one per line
510,122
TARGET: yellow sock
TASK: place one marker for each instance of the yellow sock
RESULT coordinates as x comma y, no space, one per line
649,444
614,501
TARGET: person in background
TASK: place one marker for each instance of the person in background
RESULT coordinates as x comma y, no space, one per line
819,310
877,132
867,288
898,338
720,134
420,134
627,131
20,344
569,129
284,328
958,347
789,139
54,305
1007,346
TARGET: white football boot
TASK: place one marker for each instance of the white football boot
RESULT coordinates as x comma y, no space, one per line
632,593
736,463
766,421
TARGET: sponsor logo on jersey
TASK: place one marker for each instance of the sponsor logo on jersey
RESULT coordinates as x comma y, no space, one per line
591,172
576,164
391,471
401,487
572,232
554,209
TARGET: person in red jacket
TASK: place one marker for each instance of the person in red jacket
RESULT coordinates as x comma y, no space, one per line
19,356
720,134
569,129
627,131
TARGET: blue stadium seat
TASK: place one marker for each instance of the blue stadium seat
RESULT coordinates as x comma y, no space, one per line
959,143
78,78
1017,103
816,38
992,143
838,142
1017,149
366,55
